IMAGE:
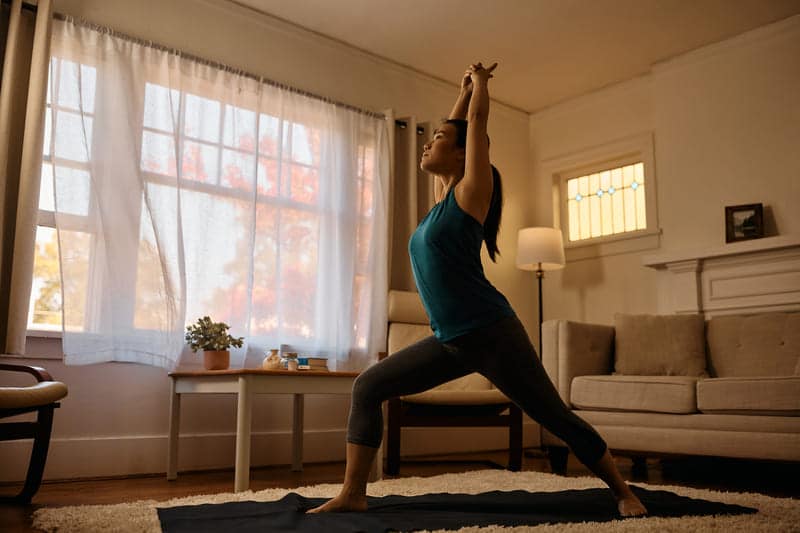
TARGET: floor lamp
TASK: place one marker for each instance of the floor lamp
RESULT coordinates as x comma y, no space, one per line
540,249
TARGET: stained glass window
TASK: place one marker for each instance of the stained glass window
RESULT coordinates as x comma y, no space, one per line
607,202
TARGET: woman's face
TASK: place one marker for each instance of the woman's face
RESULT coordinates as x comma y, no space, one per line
441,155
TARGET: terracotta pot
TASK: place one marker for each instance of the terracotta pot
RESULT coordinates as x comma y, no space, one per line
216,359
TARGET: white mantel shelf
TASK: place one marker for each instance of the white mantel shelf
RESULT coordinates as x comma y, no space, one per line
743,277
732,249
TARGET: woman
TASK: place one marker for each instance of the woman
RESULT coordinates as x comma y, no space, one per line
475,328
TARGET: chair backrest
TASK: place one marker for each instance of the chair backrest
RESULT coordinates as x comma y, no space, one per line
408,323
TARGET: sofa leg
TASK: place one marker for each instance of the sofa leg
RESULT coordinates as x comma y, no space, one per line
639,468
558,459
515,439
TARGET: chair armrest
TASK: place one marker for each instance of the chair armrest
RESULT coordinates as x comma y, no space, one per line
36,371
573,349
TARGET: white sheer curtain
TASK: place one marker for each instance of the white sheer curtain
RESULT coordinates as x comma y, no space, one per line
182,189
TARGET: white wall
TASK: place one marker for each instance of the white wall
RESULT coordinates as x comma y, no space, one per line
726,125
114,420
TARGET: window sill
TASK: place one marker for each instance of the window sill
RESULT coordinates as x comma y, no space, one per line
43,334
42,345
647,240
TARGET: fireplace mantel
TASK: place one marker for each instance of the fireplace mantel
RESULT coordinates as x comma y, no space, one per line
738,278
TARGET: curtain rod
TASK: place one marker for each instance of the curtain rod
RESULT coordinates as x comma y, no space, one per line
203,61
25,5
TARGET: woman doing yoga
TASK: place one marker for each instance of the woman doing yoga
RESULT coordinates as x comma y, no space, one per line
475,328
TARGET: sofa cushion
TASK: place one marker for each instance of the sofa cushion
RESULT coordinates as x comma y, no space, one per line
659,345
775,396
764,344
657,394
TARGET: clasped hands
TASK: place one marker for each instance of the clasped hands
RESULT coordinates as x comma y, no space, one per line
476,73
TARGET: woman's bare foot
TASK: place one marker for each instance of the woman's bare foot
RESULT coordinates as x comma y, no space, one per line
341,504
629,505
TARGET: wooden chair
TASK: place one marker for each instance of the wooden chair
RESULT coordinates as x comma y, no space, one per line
41,398
471,401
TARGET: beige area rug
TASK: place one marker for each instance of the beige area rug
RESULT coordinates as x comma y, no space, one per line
775,514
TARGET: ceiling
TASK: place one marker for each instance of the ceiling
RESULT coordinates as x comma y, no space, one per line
548,50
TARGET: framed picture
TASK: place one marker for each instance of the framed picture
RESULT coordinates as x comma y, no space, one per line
744,222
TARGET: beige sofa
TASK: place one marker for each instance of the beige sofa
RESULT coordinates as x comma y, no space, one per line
736,393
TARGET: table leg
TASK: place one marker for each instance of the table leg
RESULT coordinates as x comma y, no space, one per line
297,434
174,431
243,421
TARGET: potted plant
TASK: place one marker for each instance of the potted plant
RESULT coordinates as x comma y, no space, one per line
213,339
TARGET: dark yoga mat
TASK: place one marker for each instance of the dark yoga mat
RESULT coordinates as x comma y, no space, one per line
431,511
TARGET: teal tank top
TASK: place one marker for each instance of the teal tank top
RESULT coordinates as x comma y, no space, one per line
445,255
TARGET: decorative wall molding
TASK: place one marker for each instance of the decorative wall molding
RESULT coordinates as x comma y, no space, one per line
739,278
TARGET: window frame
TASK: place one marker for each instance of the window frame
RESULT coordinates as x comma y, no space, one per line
280,200
558,170
47,218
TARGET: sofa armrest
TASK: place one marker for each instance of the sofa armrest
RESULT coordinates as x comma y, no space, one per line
573,349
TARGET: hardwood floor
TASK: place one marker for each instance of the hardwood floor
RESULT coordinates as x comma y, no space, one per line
774,479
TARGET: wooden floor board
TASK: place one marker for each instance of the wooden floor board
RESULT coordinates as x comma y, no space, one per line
774,479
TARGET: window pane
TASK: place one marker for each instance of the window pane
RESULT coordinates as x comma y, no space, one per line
201,119
76,254
300,183
48,132
158,153
72,188
367,209
264,318
268,135
369,163
574,221
46,289
305,145
238,170
73,136
150,311
161,107
240,128
267,177
77,79
199,162
46,201
299,238
363,244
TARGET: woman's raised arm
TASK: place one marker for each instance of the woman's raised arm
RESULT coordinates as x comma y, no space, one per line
462,102
475,192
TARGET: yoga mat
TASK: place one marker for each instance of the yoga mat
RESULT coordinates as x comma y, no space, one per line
432,511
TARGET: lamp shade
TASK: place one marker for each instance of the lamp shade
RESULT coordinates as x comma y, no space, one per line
540,248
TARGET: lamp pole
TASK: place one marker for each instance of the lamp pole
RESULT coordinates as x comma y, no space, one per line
539,276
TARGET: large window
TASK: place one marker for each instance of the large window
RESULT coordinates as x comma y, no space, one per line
225,197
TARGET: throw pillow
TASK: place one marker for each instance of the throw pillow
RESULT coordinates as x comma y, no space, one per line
660,345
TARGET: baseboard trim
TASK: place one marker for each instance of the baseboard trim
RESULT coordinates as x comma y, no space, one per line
125,455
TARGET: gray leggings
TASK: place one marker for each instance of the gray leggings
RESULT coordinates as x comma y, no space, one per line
502,353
